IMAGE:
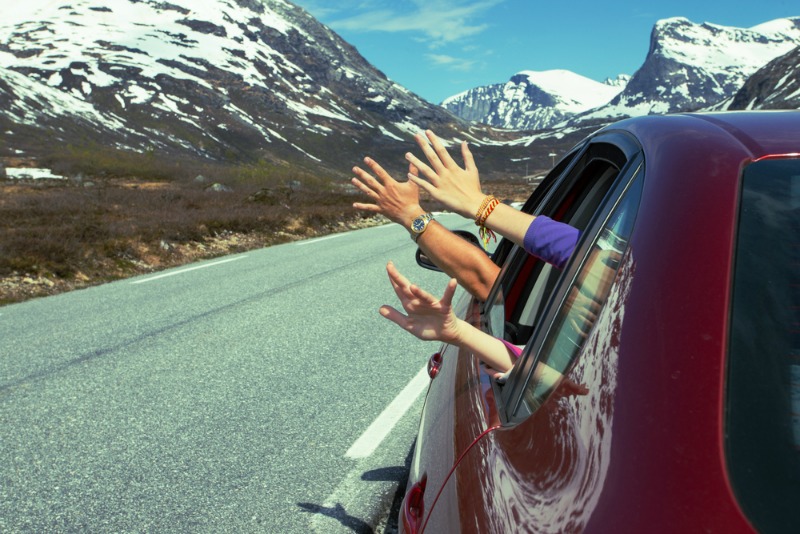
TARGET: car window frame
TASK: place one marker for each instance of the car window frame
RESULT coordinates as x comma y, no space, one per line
509,256
510,395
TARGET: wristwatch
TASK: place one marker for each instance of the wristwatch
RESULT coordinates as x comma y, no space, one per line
420,224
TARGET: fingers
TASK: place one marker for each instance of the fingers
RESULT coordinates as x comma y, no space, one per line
430,153
449,291
441,151
365,182
395,276
366,207
469,160
421,167
423,296
401,285
395,316
382,175
363,187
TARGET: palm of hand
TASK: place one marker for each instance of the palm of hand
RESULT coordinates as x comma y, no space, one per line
427,317
457,187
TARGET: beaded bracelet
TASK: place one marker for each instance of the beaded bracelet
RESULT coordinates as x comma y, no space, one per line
487,207
486,200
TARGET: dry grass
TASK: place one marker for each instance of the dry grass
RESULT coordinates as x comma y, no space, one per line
57,237
61,235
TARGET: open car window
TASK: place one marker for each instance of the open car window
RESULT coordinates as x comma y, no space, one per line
526,283
578,309
524,301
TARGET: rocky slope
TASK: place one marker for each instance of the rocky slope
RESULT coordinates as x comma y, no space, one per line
223,80
775,86
692,66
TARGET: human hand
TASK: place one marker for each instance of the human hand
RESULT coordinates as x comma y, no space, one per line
398,201
457,188
428,318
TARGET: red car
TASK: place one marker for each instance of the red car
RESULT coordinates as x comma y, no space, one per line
659,386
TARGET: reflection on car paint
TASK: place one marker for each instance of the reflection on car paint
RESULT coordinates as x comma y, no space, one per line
558,487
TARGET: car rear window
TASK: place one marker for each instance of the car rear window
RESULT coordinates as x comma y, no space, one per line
763,389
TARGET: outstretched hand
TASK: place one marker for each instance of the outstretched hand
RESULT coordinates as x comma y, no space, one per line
398,201
428,318
457,188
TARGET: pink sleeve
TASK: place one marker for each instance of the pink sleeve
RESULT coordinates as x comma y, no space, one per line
514,350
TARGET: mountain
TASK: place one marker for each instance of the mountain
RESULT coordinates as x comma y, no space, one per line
775,86
694,66
533,100
219,80
688,67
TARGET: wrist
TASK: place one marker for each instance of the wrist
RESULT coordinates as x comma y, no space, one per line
458,333
409,214
472,206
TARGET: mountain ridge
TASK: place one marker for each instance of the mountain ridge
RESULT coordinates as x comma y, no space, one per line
688,67
214,79
533,100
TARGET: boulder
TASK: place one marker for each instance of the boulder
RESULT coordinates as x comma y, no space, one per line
219,188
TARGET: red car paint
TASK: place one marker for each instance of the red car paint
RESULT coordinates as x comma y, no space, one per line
638,446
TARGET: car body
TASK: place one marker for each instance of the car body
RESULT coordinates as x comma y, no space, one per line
659,387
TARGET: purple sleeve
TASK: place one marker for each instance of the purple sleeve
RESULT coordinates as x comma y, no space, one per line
550,240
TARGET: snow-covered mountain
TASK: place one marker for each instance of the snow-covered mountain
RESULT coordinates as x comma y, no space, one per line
533,100
775,86
688,67
217,79
694,66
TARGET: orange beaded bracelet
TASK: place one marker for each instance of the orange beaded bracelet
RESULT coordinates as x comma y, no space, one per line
487,207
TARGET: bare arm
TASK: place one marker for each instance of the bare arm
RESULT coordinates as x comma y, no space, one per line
465,262
430,319
399,201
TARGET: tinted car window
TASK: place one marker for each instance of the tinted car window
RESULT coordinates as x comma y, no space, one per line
763,389
583,302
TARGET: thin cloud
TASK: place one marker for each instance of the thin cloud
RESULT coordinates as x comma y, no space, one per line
440,22
451,63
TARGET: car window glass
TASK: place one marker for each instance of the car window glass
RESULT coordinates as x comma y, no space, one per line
763,379
582,304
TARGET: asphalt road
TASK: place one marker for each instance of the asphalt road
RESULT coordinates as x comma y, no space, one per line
218,397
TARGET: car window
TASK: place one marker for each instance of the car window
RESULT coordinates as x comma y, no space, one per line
763,375
515,307
581,305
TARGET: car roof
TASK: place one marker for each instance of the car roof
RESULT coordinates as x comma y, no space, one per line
754,134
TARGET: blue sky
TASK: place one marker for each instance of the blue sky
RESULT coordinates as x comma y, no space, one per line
438,48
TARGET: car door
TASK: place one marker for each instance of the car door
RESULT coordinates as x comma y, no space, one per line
440,440
459,411
540,467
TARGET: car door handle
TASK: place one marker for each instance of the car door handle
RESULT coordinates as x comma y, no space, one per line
414,507
434,364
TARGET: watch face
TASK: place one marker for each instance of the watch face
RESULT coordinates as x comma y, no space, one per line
419,224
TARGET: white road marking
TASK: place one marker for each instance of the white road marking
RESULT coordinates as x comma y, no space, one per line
310,241
365,445
181,271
